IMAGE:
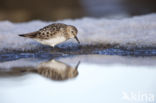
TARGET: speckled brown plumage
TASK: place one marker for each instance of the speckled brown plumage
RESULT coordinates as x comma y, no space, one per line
51,31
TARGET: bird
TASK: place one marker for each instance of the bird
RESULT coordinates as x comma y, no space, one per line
53,34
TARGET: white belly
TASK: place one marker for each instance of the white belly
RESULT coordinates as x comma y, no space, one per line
53,41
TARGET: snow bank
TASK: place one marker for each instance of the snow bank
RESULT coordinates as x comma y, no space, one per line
137,31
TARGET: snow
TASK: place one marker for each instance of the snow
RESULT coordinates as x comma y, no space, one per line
139,31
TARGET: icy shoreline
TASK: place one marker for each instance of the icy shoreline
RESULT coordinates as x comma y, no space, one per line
135,32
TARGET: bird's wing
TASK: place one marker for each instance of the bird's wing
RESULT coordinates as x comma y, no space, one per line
38,35
30,35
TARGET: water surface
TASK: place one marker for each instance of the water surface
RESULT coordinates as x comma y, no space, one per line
96,78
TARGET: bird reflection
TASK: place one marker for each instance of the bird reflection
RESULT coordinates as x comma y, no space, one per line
54,70
57,70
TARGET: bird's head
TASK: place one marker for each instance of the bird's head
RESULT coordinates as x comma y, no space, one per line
72,32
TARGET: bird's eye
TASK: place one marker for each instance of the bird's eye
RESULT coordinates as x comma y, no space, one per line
72,31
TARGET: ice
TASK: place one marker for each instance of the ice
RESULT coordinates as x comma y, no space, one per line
138,31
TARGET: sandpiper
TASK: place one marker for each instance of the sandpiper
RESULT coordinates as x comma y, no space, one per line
53,34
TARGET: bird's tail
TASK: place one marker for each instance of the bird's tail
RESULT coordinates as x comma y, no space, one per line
29,35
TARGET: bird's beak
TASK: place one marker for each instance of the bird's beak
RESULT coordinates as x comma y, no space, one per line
77,39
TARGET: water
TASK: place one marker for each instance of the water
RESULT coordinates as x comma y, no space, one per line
98,78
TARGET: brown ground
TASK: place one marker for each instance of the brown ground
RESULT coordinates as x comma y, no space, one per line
25,10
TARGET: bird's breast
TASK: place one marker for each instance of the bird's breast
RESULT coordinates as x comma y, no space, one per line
53,41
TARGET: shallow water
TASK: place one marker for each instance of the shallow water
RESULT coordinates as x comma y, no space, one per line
98,78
